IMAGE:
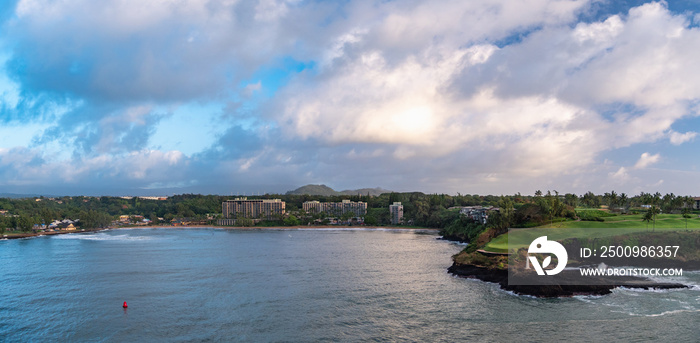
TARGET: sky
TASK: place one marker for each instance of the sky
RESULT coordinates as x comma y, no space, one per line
161,97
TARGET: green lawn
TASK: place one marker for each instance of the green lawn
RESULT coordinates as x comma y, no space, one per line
586,229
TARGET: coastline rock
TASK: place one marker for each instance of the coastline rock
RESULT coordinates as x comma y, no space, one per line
500,277
454,238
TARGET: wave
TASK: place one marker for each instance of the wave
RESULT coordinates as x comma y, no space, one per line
650,290
518,295
103,237
665,313
588,298
359,229
442,238
669,312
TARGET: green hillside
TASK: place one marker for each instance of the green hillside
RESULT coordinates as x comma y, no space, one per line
588,229
324,190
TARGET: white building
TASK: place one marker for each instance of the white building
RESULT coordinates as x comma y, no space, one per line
396,211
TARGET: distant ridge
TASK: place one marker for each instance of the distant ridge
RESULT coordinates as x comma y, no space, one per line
19,196
324,190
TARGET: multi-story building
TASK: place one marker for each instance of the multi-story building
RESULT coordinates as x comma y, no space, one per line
396,211
478,214
358,209
256,208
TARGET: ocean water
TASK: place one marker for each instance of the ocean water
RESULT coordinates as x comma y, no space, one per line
195,285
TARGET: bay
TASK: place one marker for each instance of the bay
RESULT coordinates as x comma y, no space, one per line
298,285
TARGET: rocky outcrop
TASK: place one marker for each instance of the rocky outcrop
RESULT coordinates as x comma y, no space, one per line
500,276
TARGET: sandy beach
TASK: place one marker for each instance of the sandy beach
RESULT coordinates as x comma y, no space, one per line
298,227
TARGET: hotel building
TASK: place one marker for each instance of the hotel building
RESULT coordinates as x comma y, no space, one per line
396,212
358,209
256,208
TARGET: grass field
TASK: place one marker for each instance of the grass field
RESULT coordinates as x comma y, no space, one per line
612,226
632,220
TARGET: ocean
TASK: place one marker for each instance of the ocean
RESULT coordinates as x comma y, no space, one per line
194,285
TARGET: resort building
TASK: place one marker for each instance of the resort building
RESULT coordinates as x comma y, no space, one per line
396,212
478,214
358,209
256,208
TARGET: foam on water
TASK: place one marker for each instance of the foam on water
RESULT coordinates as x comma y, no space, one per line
649,290
357,229
511,293
670,312
104,237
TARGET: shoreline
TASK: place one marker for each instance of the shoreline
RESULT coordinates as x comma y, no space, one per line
297,227
40,234
276,228
500,277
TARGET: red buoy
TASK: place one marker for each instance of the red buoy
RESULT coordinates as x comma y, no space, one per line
125,306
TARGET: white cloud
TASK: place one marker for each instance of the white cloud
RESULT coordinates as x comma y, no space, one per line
531,108
678,138
22,166
460,93
621,175
166,50
646,160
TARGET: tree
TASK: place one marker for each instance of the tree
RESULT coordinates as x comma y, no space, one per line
686,215
571,199
688,202
653,211
590,200
371,220
611,199
624,201
648,216
550,204
645,198
503,219
668,201
24,223
291,220
346,216
154,218
243,221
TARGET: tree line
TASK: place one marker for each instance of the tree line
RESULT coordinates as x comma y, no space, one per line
420,209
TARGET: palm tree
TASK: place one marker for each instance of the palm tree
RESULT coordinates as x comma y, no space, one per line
613,200
686,215
645,198
648,216
623,200
654,211
668,201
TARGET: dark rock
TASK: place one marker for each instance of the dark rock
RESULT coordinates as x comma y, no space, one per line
500,277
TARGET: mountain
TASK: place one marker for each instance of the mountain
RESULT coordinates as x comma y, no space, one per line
314,190
324,190
19,196
363,191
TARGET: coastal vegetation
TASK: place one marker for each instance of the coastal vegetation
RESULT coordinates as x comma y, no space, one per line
588,221
553,211
607,217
